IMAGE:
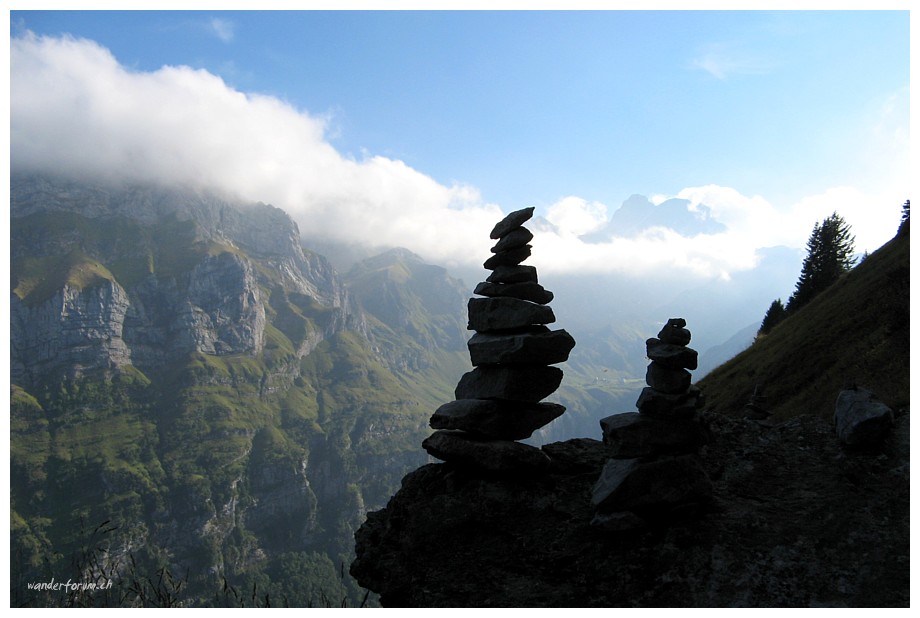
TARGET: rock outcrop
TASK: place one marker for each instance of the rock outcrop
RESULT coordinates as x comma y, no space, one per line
654,472
860,419
149,275
184,370
795,521
512,352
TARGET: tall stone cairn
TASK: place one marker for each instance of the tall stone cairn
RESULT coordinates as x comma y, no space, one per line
655,473
512,353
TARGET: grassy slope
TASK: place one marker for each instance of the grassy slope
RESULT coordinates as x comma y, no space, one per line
857,331
185,434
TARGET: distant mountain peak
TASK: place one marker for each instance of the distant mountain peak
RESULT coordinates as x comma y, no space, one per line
398,254
638,213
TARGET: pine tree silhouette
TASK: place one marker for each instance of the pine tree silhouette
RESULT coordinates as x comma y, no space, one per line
830,254
905,217
775,314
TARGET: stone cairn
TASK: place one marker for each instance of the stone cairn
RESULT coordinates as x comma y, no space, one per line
498,402
655,472
755,408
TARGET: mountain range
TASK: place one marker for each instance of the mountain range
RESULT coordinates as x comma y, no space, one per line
197,392
798,516
183,369
190,378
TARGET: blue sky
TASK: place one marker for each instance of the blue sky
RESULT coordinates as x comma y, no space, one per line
775,117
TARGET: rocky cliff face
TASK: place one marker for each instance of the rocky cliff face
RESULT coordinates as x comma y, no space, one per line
796,520
185,370
80,329
173,273
417,302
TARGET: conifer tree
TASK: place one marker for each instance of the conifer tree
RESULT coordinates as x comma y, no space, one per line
774,316
830,253
905,217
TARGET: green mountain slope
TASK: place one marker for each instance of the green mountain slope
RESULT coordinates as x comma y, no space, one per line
855,332
197,395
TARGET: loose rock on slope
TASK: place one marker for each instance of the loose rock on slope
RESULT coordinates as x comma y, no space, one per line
794,522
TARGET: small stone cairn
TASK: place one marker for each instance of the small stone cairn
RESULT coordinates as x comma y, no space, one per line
654,472
755,408
512,353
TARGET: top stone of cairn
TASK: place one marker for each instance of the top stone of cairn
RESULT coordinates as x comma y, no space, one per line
512,221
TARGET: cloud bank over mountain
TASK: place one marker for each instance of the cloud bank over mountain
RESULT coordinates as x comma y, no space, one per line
75,109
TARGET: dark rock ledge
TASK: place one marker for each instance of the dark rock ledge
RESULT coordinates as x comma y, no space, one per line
795,521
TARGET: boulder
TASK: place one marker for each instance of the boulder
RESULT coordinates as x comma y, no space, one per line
674,332
638,435
534,292
494,418
671,381
513,220
663,405
527,348
670,355
518,237
647,487
513,274
491,314
860,419
508,258
491,455
618,521
528,384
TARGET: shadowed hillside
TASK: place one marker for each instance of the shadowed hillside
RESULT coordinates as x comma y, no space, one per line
795,518
856,331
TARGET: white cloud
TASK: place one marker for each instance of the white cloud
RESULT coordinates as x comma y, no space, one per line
223,29
722,60
752,223
574,216
73,108
752,217
656,252
873,219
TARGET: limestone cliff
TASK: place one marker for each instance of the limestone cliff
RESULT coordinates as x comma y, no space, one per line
185,370
108,276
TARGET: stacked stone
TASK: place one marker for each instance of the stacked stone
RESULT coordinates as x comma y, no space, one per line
512,352
756,406
655,471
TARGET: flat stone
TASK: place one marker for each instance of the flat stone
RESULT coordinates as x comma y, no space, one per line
494,418
618,521
633,485
518,237
527,384
860,419
671,381
491,314
674,332
513,220
491,455
513,274
534,292
540,348
670,355
663,405
638,435
508,258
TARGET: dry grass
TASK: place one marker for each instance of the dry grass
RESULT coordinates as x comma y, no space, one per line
856,332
